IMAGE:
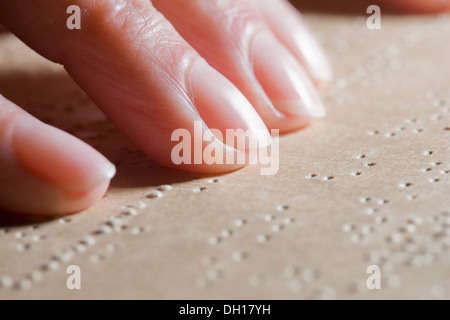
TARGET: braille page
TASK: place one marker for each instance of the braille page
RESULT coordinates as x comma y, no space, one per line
368,186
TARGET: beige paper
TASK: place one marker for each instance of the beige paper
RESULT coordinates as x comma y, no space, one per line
368,185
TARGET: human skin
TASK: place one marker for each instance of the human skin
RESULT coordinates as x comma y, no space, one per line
154,67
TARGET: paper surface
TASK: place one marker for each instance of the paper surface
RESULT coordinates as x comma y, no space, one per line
368,185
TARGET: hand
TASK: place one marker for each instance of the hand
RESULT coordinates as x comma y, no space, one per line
154,67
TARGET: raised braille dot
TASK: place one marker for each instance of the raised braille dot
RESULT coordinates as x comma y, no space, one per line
79,247
103,229
348,227
389,134
438,103
411,248
154,194
396,238
112,247
129,212
375,257
137,205
262,238
364,199
356,237
436,117
226,233
428,259
138,230
405,185
88,240
63,255
35,276
214,240
37,238
200,189
64,220
240,222
438,292
277,228
290,272
256,280
19,234
23,246
113,222
282,207
6,282
417,261
52,265
24,284
164,188
213,274
209,261
380,219
325,293
96,258
418,220
309,275
238,256
366,229
288,221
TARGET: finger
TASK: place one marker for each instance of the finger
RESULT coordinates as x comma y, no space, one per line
417,6
44,170
234,38
139,71
289,27
360,6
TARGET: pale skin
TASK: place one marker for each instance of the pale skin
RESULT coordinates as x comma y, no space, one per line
153,67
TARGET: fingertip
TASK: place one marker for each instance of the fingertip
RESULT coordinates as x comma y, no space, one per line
56,157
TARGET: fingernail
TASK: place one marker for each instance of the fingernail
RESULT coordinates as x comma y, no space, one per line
222,106
59,158
283,78
311,53
287,22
